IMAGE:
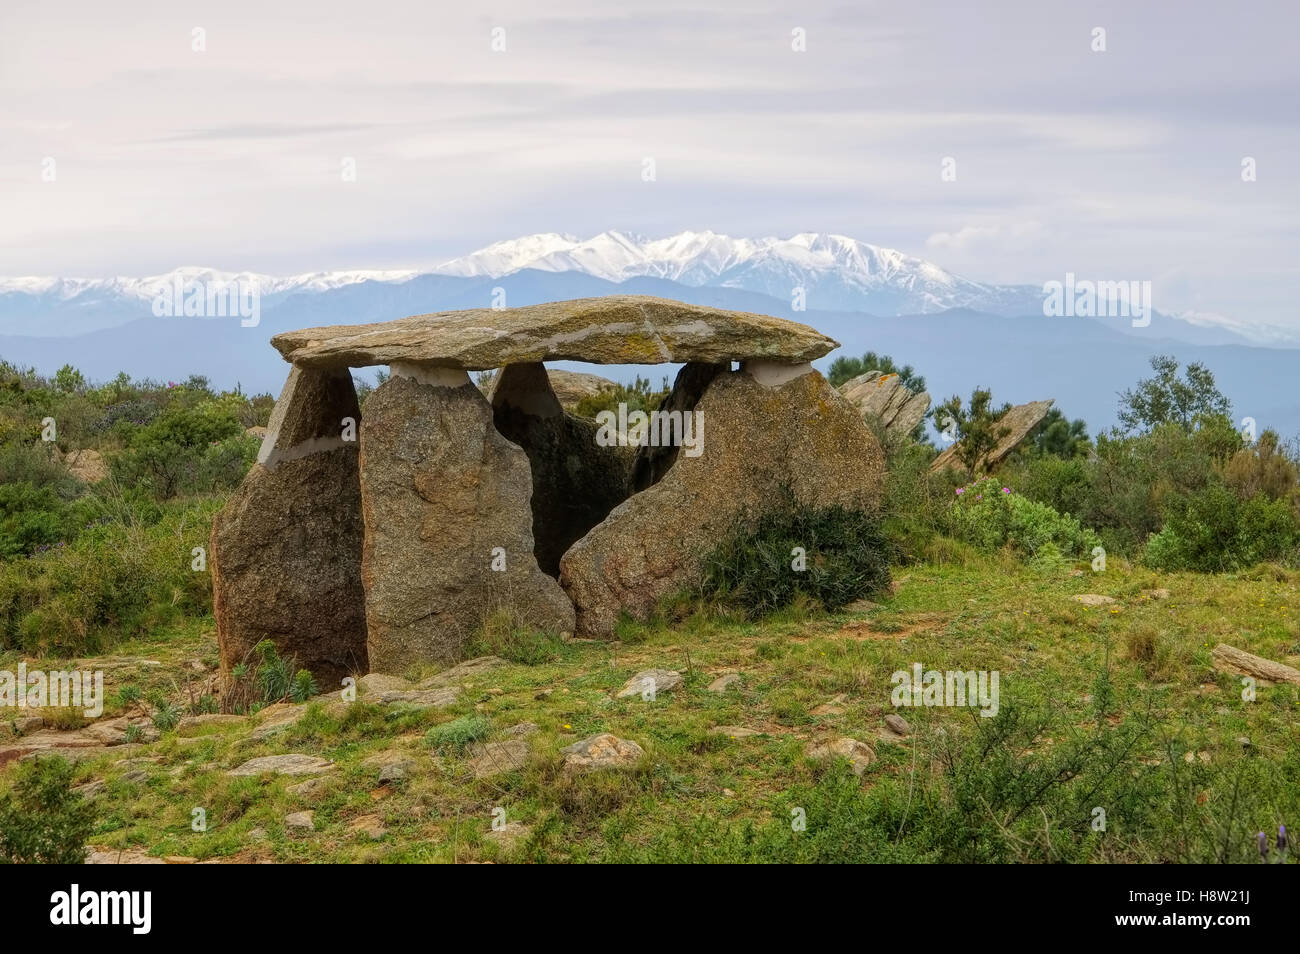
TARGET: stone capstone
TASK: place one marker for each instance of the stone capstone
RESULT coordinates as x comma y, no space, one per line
444,498
615,329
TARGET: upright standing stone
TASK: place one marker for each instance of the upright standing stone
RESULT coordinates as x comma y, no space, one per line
286,549
576,481
765,429
445,499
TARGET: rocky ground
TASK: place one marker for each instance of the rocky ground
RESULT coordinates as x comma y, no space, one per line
663,745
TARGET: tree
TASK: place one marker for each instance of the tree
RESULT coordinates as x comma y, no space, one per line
977,427
1059,436
69,380
845,369
1167,399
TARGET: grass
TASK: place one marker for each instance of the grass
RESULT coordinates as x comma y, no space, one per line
1122,702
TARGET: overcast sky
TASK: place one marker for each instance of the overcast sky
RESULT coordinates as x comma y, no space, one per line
1123,164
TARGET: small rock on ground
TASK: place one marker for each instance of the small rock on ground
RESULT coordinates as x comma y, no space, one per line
734,731
600,751
496,758
301,820
859,754
369,825
897,724
292,764
650,681
1094,599
723,683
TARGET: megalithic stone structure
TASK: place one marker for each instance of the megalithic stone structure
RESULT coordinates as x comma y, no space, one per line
448,522
453,509
286,550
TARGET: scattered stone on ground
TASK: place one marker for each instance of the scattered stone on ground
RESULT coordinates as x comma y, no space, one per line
600,751
650,682
1238,662
290,764
301,820
372,826
725,682
102,856
419,698
833,707
859,754
1094,599
497,758
1159,593
734,731
523,729
897,724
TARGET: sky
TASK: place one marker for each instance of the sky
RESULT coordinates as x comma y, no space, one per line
1118,164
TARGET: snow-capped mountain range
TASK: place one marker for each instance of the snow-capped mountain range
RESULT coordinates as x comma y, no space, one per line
835,272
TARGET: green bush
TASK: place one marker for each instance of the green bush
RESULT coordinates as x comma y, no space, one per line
42,820
1213,530
847,557
119,578
458,734
187,450
638,397
990,516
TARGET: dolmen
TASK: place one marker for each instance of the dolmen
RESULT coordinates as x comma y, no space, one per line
378,543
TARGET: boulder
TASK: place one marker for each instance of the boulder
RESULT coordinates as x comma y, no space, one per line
615,329
651,682
765,430
883,398
1017,424
600,751
285,552
291,764
444,498
570,387
576,482
87,465
859,754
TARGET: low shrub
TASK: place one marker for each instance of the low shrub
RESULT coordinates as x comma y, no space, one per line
42,820
845,556
1213,530
989,515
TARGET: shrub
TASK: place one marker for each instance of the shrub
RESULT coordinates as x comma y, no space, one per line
508,634
42,820
637,396
990,516
458,734
1212,530
115,580
198,449
846,557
